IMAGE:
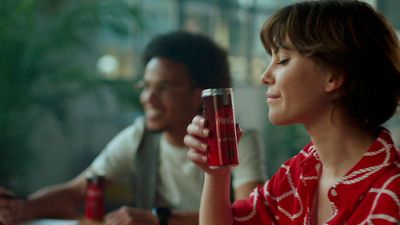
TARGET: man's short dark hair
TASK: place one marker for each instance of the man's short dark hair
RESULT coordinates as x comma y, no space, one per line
206,62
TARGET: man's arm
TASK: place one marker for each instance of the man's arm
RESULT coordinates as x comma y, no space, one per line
61,200
58,201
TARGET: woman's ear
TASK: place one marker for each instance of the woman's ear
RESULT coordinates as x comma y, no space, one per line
334,81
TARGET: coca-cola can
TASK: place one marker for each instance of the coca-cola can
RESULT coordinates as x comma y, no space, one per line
94,197
218,110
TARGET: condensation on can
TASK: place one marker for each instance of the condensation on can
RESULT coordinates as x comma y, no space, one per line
218,110
94,197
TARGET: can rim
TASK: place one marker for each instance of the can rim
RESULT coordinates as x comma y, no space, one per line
94,177
215,91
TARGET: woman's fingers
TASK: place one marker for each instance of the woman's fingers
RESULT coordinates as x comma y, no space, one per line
196,140
199,120
197,127
193,142
197,157
197,134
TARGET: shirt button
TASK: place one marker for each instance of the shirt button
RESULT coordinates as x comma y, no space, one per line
333,192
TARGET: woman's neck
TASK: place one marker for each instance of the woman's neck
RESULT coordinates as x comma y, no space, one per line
340,146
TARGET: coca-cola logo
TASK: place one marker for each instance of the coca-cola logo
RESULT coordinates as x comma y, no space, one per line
227,139
225,120
94,193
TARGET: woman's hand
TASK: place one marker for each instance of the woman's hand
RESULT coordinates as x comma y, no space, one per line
196,140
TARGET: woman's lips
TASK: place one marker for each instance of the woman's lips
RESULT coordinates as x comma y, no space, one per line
272,97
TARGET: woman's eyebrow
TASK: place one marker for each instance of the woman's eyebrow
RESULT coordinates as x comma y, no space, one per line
281,47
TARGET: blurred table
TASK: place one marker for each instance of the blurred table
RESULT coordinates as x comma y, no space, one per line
90,222
81,221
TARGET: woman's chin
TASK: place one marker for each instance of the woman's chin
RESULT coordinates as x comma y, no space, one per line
278,121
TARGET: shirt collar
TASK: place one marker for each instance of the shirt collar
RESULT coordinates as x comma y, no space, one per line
348,190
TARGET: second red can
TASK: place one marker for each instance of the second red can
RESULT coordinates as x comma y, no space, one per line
218,110
94,200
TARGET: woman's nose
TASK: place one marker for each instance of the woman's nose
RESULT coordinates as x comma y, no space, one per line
267,77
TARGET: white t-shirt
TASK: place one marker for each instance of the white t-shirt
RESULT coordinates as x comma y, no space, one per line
181,182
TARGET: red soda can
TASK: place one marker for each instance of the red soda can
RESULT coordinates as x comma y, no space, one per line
94,199
218,110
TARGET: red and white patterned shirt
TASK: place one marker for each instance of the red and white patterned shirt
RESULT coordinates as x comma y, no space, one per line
368,194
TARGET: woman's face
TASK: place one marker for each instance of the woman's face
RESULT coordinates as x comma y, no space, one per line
298,90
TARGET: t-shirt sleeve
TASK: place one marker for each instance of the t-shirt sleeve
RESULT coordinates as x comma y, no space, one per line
251,160
117,158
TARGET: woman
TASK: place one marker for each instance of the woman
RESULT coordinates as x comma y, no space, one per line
336,70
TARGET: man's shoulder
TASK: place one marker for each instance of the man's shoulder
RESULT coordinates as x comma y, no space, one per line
133,131
138,122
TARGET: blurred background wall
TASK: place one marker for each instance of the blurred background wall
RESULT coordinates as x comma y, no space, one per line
67,69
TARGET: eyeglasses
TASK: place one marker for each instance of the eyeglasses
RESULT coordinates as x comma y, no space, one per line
161,88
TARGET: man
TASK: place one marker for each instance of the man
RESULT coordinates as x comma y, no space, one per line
178,66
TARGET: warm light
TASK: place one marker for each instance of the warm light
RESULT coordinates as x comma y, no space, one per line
108,65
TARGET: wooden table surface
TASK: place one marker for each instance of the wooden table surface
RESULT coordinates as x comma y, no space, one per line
90,222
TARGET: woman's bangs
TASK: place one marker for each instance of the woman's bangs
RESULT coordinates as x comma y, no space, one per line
274,34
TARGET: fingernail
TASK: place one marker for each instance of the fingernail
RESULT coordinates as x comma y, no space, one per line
203,147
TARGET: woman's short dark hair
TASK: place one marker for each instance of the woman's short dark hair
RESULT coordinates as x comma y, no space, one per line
351,38
207,63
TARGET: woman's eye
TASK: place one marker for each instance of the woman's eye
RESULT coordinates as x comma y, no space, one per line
283,61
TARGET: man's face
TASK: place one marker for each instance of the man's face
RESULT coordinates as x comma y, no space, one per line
168,99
